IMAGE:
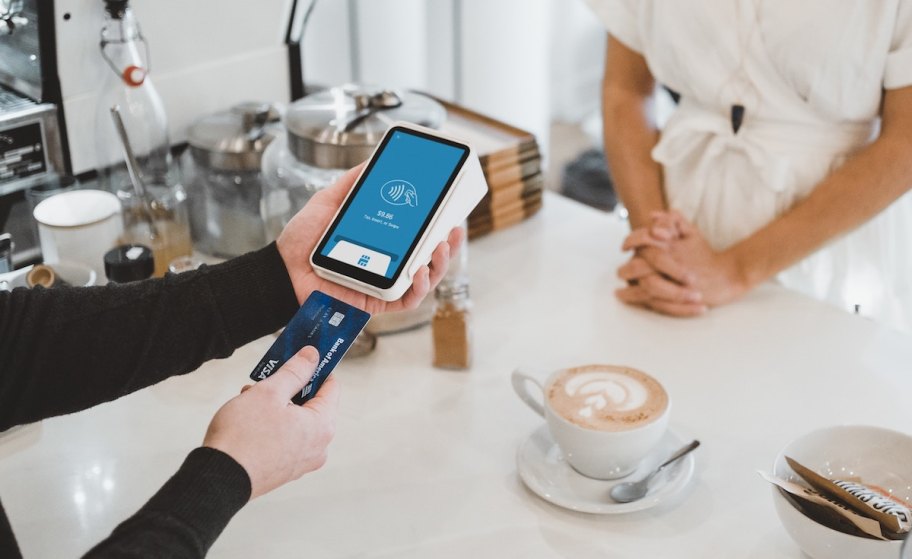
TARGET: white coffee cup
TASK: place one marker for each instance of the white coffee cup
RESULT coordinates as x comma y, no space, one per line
595,453
79,226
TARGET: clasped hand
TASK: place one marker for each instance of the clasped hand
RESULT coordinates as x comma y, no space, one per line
674,270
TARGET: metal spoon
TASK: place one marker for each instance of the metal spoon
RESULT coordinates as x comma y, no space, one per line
373,104
139,188
633,490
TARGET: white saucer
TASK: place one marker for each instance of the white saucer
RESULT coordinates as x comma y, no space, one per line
76,274
543,469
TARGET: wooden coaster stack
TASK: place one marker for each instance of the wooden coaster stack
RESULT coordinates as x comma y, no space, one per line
512,166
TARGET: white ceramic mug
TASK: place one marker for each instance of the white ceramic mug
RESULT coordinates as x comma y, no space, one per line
594,453
79,226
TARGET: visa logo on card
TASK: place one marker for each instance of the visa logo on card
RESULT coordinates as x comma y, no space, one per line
324,322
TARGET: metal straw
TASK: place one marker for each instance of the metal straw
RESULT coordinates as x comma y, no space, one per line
133,168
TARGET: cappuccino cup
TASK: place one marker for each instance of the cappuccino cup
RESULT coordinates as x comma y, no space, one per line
606,419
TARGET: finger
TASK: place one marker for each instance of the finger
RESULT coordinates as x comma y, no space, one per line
654,288
659,287
440,263
326,401
665,218
662,232
632,295
246,387
675,215
639,238
685,226
635,269
421,285
637,296
664,263
293,375
456,238
668,220
674,218
677,309
662,226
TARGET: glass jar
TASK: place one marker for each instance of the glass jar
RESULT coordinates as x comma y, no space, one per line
168,234
288,184
224,180
452,326
224,209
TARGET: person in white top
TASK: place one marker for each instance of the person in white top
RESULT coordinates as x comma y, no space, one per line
789,154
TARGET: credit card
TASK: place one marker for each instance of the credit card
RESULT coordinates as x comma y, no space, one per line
324,322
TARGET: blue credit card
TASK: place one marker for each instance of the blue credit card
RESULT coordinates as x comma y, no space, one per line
324,322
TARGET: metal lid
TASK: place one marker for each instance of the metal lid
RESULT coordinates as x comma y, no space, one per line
338,128
233,140
452,290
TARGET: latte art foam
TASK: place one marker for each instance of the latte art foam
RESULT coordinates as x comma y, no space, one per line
606,391
607,398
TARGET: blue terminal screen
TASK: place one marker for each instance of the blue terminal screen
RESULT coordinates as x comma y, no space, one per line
388,212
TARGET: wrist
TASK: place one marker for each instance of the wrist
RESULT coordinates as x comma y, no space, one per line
242,460
205,492
640,217
741,277
293,271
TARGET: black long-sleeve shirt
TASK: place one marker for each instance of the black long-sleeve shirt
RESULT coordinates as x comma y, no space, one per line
68,349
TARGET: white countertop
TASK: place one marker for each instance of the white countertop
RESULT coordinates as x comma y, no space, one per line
424,463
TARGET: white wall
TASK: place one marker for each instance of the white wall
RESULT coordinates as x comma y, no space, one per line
577,60
394,43
505,61
200,63
327,44
393,49
521,61
526,62
441,41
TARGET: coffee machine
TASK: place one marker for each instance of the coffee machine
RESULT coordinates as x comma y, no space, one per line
205,57
31,143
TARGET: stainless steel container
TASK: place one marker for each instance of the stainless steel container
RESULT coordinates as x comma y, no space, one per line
329,132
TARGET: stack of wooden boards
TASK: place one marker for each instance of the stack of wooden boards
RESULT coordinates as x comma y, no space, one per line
511,162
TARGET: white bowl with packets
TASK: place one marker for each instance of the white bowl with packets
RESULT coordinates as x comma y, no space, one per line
845,492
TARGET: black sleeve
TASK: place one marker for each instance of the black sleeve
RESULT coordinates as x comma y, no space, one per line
187,514
67,349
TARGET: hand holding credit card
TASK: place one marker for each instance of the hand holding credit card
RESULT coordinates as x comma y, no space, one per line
323,322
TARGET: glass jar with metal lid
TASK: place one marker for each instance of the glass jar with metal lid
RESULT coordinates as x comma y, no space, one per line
224,180
329,132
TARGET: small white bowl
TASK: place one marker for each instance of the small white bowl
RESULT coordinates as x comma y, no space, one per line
76,274
877,456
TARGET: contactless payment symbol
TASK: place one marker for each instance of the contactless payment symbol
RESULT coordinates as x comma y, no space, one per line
399,193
